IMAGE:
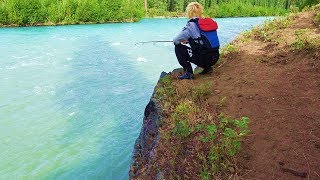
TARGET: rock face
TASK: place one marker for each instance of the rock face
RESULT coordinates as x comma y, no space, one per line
148,138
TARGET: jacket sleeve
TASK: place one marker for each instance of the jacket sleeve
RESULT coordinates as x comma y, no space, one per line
182,36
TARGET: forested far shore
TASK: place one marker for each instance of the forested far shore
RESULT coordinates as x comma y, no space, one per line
49,12
228,8
57,12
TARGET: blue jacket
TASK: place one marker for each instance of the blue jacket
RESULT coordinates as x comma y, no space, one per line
191,31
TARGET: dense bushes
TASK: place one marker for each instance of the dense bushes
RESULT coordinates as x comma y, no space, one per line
88,10
225,8
243,10
30,12
304,3
22,12
3,15
230,8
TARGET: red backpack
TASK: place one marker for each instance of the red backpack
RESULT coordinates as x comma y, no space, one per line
208,31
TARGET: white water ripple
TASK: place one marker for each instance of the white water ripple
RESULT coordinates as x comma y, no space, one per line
142,59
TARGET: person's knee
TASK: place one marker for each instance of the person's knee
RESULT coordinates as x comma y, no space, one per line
178,47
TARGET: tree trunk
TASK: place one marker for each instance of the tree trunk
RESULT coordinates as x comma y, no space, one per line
209,3
171,3
146,5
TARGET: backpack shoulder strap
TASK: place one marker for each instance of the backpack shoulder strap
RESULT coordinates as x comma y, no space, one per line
194,20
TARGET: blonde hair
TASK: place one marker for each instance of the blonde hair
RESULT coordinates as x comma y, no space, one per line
194,9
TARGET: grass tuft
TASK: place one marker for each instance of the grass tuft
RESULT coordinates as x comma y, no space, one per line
303,41
230,48
267,30
316,19
165,90
201,91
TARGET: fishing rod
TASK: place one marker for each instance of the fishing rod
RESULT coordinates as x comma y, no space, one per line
145,42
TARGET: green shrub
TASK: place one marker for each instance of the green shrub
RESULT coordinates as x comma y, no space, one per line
182,129
14,12
132,11
225,139
166,80
240,9
69,8
110,10
56,12
183,110
211,130
165,90
229,48
29,12
266,31
152,12
303,41
306,3
205,175
317,19
201,91
181,118
23,12
3,14
87,11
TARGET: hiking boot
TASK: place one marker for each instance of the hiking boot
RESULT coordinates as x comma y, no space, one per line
206,71
186,75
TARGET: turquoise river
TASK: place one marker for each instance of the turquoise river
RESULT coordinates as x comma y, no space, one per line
72,97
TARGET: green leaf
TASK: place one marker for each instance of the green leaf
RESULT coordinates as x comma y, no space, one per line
204,139
223,120
182,129
230,133
212,129
199,127
243,123
236,144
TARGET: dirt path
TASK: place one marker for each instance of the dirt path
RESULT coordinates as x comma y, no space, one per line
280,92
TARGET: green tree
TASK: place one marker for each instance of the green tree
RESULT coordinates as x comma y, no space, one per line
25,11
88,11
3,14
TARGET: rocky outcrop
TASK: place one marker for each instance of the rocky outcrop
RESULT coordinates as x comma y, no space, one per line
148,138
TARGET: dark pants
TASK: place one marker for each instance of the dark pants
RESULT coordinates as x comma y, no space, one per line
186,56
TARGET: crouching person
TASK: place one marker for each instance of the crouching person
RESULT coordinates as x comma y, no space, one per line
201,35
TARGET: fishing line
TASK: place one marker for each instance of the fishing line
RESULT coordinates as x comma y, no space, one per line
145,42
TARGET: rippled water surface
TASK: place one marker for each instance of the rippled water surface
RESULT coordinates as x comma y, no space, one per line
72,97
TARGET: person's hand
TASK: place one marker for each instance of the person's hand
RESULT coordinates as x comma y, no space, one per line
184,42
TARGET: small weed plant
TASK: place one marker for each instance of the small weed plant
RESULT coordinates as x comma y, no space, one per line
224,139
222,102
230,48
181,116
245,37
215,139
303,40
266,31
182,129
317,19
165,90
201,91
